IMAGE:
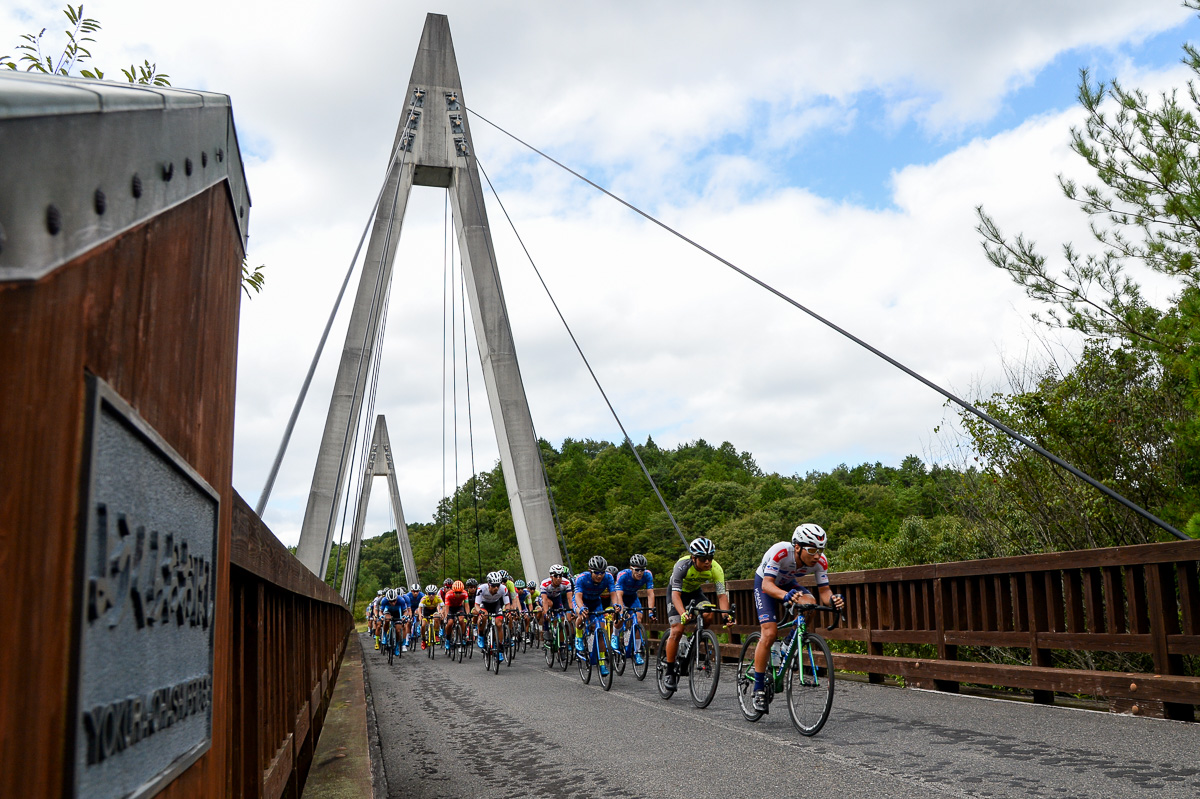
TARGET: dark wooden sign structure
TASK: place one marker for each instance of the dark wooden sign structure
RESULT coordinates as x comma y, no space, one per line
123,216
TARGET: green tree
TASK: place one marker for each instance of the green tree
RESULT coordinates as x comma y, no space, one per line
1127,411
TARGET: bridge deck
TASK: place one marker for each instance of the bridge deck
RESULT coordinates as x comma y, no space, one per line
447,730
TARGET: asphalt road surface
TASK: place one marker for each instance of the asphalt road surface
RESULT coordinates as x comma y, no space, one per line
452,730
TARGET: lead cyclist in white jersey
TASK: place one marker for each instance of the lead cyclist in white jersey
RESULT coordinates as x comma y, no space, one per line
776,580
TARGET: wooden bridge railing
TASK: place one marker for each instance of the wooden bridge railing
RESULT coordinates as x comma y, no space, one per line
1136,599
289,633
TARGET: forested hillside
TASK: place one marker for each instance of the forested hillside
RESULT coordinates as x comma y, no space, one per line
876,515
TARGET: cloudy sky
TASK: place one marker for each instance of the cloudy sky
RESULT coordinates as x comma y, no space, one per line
836,150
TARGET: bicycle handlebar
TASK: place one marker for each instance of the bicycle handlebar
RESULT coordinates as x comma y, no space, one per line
797,609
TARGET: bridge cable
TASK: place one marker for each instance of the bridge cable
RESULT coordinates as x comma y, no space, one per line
496,278
454,384
361,433
1110,493
445,269
287,434
381,323
470,424
579,349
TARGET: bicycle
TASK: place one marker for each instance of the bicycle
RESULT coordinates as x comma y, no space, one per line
390,644
560,641
430,642
596,649
632,639
491,650
698,656
809,700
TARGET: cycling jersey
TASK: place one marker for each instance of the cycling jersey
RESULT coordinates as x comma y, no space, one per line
685,578
484,596
391,608
590,591
455,599
782,563
411,599
629,585
430,602
554,591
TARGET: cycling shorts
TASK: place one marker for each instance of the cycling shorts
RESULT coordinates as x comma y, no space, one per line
766,605
456,610
492,608
596,605
632,604
686,598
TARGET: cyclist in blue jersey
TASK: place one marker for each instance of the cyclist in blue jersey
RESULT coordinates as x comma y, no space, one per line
412,598
392,610
588,597
629,581
776,582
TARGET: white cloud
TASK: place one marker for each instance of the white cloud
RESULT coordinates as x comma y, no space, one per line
645,97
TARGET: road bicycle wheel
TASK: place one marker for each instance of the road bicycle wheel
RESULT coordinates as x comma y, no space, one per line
550,649
638,645
566,644
390,645
705,674
493,648
745,678
660,667
604,659
618,655
585,662
810,686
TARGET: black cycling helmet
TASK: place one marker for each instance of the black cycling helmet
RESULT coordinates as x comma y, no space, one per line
637,562
449,581
702,548
613,570
472,583
597,564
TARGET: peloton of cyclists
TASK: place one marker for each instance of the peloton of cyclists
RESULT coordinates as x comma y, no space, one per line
590,588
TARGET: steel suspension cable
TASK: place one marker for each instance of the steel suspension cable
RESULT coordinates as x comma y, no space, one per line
375,305
445,267
586,363
996,423
470,425
312,368
454,393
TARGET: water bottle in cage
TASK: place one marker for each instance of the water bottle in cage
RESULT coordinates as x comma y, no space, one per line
776,654
685,644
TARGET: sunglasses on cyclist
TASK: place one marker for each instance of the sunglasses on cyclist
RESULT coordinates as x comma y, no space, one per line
593,571
638,571
812,550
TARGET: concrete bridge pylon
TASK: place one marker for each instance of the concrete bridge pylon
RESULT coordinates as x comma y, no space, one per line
434,147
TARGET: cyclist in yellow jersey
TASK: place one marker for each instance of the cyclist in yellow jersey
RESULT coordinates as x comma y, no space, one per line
428,607
689,574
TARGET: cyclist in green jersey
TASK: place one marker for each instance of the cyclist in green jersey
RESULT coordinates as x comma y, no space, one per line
689,574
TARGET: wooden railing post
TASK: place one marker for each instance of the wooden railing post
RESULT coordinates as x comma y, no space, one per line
941,603
1164,622
1039,621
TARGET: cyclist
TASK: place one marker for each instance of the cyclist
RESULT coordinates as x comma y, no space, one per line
776,580
691,571
472,587
392,610
629,582
588,598
428,608
373,616
555,592
454,606
412,598
491,599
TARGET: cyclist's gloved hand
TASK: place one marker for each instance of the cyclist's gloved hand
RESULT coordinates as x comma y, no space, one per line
791,595
684,618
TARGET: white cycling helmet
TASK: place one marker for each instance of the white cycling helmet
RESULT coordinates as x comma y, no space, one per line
431,588
391,595
558,570
380,592
494,578
415,587
809,535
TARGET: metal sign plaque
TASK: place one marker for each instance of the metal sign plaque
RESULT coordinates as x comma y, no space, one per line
149,525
